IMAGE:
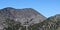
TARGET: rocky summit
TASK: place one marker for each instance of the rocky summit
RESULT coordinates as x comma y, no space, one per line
26,16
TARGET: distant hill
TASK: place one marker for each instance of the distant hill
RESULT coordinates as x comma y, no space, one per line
26,16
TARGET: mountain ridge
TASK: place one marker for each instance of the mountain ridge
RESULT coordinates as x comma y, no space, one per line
26,16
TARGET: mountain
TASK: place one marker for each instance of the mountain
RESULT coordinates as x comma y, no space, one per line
51,23
26,16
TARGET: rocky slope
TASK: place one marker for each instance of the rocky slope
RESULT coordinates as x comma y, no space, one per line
26,16
51,23
27,19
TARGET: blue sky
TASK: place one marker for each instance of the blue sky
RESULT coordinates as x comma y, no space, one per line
46,7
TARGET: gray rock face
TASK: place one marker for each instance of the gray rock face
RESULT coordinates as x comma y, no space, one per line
26,16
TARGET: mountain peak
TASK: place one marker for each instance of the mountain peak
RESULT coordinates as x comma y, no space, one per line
26,16
23,15
8,8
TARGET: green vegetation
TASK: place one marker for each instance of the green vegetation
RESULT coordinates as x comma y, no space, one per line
52,23
12,25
